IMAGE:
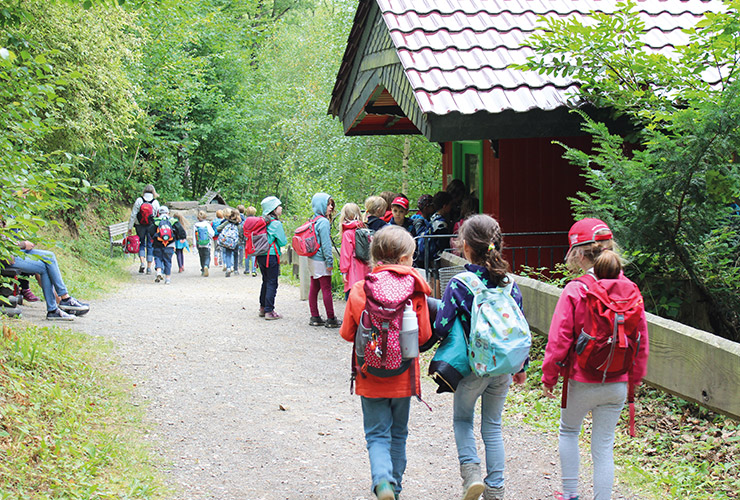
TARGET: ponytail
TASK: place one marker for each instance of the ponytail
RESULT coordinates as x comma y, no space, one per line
482,233
607,264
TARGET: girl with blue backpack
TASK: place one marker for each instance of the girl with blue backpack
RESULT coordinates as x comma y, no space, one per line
481,241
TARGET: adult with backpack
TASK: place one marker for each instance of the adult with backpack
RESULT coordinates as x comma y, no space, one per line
598,342
164,232
203,233
387,319
268,260
321,263
145,209
486,303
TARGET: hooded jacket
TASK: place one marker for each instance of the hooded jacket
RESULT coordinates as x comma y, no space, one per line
402,385
354,268
319,204
568,318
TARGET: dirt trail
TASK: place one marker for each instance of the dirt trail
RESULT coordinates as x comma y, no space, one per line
248,409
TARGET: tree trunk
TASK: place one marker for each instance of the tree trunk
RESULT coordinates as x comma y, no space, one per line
405,165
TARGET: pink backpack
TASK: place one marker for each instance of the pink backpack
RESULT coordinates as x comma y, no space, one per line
305,242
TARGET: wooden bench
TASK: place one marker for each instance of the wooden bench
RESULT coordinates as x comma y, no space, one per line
116,232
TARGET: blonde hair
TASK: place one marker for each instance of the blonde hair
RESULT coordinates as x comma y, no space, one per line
350,212
202,215
250,211
220,214
603,255
375,205
390,244
181,219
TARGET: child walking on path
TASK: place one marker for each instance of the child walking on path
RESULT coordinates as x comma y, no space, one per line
592,251
202,235
386,401
228,240
164,232
270,264
481,242
352,268
250,264
181,245
322,263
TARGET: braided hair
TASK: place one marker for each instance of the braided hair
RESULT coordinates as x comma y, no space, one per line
483,235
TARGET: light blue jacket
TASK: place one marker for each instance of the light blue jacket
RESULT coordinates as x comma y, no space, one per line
319,203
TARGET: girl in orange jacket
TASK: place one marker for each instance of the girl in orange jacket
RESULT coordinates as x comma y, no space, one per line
386,399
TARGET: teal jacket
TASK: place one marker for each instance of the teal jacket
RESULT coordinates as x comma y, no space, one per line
319,203
275,234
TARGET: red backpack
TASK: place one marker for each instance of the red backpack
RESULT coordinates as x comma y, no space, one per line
146,213
610,339
131,244
305,242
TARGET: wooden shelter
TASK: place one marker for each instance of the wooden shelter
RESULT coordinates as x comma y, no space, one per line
443,69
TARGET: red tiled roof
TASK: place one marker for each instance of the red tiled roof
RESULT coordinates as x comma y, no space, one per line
456,53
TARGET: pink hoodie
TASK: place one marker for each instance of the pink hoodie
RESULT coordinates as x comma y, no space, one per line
354,268
567,319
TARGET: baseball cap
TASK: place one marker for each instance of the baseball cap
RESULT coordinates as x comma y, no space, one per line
588,231
401,202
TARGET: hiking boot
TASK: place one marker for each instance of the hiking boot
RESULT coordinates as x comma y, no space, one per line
158,278
316,321
29,296
73,306
262,312
384,491
149,270
473,486
272,315
333,323
492,493
167,281
205,272
59,315
141,269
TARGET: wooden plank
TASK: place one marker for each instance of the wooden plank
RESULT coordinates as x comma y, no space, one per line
386,57
692,364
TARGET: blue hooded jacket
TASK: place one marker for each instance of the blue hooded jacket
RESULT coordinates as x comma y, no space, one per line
320,203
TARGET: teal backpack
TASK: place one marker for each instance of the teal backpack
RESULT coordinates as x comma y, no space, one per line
499,339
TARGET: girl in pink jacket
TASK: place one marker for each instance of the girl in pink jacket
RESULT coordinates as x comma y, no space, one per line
352,268
592,251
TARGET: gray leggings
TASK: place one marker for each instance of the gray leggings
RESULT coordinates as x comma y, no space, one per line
605,402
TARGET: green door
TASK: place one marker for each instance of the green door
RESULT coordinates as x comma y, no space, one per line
467,165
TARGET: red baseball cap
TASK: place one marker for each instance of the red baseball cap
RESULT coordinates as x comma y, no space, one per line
401,202
588,231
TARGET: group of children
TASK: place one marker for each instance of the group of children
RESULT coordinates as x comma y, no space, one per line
385,398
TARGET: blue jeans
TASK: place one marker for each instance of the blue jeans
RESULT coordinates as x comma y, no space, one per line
605,402
269,281
229,257
386,423
252,264
145,239
163,259
239,262
492,391
48,269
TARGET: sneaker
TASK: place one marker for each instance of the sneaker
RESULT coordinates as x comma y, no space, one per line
492,493
59,315
254,273
181,270
384,491
29,296
205,272
167,281
141,269
228,272
272,315
246,271
149,270
262,312
158,278
316,321
333,323
73,306
559,496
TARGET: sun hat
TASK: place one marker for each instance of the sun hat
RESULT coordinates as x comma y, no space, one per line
588,231
401,202
269,204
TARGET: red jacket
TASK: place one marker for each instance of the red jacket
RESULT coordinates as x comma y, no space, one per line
399,386
568,319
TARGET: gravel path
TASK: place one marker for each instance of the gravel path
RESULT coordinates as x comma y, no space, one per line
247,409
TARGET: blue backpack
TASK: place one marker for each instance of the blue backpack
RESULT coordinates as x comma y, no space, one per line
229,237
202,236
499,339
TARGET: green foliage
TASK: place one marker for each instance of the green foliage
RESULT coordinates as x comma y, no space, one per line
54,392
666,193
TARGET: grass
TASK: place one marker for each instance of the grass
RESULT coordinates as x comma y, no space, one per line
68,429
681,449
